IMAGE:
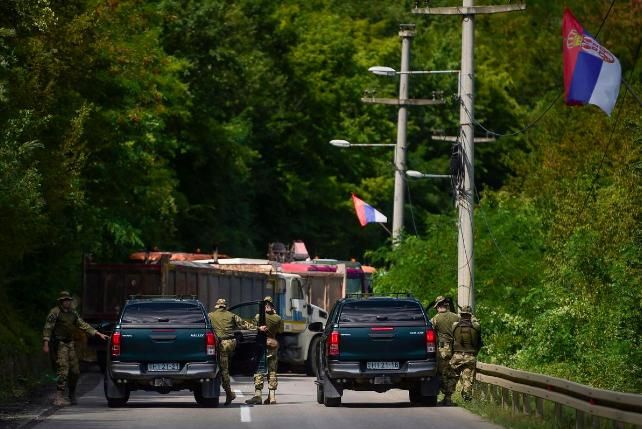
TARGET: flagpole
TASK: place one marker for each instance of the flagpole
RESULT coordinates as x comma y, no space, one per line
632,92
384,227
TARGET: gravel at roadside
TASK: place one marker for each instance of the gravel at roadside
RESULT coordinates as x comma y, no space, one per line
28,412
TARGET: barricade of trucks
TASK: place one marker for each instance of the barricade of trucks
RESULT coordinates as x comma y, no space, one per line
303,291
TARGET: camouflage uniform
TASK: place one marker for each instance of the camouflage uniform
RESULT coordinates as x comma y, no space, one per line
274,325
59,332
225,323
467,341
443,324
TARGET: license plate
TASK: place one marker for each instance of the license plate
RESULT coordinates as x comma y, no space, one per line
165,366
382,365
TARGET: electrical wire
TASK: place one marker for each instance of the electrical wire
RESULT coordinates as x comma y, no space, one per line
490,232
539,118
620,109
412,212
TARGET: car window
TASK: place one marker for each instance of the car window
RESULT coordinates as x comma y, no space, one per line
163,312
381,312
247,311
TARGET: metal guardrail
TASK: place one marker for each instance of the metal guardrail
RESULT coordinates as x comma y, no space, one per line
498,381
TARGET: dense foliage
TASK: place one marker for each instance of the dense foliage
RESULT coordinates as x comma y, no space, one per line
184,124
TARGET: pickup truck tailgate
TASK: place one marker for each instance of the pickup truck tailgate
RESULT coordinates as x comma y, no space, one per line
386,330
382,343
163,332
154,344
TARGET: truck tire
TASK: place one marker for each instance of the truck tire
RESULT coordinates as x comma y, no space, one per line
332,402
205,402
320,396
118,401
417,399
312,363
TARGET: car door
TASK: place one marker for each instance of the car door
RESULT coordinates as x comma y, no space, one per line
250,344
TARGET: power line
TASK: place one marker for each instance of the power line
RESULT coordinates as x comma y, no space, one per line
550,106
620,109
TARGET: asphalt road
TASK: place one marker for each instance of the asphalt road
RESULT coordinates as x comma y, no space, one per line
296,408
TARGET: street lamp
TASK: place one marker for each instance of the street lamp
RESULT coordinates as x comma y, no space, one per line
419,175
389,71
346,143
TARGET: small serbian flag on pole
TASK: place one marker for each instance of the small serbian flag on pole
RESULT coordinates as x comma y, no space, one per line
366,213
592,74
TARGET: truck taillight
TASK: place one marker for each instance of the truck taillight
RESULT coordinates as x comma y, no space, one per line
431,340
210,342
115,344
333,344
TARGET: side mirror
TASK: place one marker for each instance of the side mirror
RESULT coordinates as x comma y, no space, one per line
316,327
310,309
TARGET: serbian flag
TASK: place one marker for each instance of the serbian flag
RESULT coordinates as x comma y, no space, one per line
366,213
592,74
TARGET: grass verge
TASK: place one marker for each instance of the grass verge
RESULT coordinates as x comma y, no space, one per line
514,417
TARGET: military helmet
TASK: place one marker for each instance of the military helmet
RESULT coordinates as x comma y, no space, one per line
220,303
440,299
64,296
466,309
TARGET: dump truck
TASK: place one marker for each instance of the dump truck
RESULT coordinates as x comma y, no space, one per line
301,297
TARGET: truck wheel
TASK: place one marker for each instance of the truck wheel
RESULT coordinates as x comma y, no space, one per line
320,396
416,398
332,402
205,402
122,393
312,363
116,402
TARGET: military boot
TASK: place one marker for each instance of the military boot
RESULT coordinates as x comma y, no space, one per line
256,399
271,399
60,400
229,396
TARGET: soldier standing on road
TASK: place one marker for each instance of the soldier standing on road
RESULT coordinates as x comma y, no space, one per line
273,327
57,337
443,323
225,323
467,342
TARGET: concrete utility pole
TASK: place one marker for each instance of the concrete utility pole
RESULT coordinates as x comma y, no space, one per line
406,35
465,197
406,32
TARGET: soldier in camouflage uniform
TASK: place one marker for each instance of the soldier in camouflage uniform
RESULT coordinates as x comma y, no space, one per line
273,327
225,323
443,323
467,342
57,338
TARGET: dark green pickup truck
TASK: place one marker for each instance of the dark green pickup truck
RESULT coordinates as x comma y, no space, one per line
377,344
162,345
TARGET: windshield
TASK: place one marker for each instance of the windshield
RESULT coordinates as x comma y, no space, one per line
381,312
163,312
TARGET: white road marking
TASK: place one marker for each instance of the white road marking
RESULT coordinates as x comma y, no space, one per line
246,416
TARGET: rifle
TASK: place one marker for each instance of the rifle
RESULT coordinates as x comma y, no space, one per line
261,339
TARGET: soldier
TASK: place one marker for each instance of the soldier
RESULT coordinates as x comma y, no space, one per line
443,323
467,342
58,331
273,327
225,323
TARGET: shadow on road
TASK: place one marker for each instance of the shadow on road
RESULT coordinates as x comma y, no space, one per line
376,405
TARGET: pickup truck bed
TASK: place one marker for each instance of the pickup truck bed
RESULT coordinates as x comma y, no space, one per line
377,344
162,345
